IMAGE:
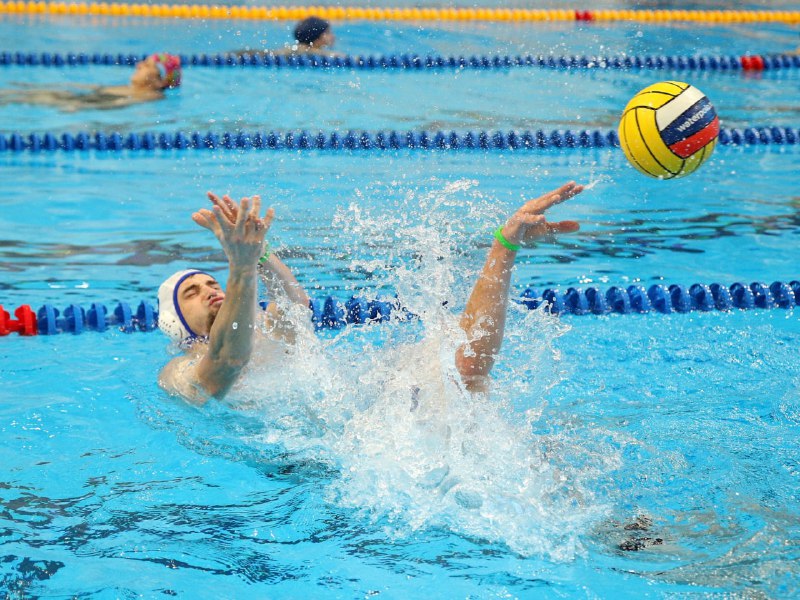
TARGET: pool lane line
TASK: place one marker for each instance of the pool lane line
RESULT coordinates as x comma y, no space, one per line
361,141
328,313
415,62
361,13
333,313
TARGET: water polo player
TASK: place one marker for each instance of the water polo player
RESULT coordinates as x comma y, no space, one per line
218,329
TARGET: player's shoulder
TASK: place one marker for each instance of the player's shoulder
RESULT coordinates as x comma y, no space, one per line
179,378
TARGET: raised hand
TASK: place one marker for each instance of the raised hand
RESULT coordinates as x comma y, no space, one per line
228,208
529,222
238,227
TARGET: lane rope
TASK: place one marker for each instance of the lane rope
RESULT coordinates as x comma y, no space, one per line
415,62
351,141
333,313
342,13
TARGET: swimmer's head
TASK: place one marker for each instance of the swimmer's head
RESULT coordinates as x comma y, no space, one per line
169,68
314,32
188,303
158,72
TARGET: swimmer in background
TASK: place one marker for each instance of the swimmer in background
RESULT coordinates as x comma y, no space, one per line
311,36
217,328
151,78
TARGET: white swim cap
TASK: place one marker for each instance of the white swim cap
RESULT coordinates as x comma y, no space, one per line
170,317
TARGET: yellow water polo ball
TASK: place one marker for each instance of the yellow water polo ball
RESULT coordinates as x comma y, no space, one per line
668,129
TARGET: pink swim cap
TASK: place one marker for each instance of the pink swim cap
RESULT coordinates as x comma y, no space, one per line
169,65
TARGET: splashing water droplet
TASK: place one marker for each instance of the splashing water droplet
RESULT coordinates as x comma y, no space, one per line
385,407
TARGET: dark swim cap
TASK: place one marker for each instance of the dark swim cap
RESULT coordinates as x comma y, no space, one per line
309,30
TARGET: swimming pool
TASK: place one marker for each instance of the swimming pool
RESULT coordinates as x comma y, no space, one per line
110,489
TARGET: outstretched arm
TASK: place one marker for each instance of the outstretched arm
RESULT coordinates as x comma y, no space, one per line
230,340
276,276
484,317
279,280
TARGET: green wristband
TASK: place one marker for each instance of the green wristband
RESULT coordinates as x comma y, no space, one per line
498,235
266,255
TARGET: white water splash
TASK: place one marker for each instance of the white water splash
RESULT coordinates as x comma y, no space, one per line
595,179
383,404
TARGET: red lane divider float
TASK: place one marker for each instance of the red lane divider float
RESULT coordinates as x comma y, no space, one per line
753,63
24,324
49,320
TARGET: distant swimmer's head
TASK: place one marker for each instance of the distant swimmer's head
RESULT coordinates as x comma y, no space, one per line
169,68
188,303
158,72
314,32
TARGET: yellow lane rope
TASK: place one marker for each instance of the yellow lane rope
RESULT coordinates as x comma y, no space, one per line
339,13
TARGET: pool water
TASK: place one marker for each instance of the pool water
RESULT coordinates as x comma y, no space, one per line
618,456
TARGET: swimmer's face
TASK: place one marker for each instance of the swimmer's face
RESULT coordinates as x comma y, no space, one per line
326,40
146,75
199,299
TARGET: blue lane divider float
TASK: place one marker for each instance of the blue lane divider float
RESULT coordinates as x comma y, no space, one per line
362,140
665,299
328,313
757,62
332,313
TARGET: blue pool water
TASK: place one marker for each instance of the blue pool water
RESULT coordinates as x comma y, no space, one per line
318,483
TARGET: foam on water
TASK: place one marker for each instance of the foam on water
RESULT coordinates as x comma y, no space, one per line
595,178
385,408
